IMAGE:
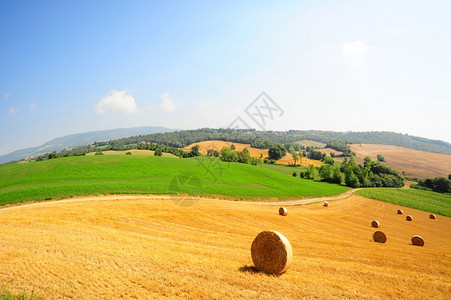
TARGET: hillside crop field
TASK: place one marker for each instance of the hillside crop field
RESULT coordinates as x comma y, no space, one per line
218,145
419,199
135,247
144,174
258,153
414,163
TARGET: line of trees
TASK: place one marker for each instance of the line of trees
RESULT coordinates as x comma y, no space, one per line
437,184
371,174
228,155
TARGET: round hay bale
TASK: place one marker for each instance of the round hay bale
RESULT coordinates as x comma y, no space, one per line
379,237
409,218
432,216
326,204
283,211
417,240
375,224
271,252
399,212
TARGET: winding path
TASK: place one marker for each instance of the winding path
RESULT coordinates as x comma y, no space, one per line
303,201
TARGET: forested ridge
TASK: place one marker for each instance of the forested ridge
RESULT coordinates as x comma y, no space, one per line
263,139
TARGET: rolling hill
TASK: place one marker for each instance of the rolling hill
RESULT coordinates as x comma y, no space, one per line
145,174
80,139
417,164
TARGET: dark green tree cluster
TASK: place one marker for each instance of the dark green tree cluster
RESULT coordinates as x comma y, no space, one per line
328,160
371,174
330,174
276,151
437,184
340,146
212,152
315,154
380,158
243,157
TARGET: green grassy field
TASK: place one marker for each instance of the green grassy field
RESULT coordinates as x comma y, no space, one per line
285,169
111,174
423,200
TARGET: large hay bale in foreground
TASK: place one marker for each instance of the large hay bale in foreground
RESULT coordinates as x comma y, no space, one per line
379,237
271,252
417,240
409,218
283,211
326,204
432,216
399,212
375,224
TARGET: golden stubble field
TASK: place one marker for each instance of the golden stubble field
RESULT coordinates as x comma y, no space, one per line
413,162
258,153
137,247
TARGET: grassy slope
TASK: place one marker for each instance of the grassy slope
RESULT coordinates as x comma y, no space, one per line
423,200
109,174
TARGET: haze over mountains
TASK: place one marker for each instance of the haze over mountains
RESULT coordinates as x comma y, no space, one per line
80,139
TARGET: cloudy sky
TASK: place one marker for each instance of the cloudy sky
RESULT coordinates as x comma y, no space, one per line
75,66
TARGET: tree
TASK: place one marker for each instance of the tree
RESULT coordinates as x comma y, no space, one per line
337,176
295,157
449,176
128,153
99,153
228,155
351,180
195,151
380,158
158,152
53,155
325,172
311,172
328,160
295,174
232,147
276,151
367,161
210,152
243,156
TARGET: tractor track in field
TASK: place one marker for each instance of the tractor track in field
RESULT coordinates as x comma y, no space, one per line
293,202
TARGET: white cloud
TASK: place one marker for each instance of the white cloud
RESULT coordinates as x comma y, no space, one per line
353,48
6,95
12,110
32,106
167,103
117,101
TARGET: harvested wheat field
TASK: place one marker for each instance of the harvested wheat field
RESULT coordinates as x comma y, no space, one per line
414,163
304,161
143,247
217,145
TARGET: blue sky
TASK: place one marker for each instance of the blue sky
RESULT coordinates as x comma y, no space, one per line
74,66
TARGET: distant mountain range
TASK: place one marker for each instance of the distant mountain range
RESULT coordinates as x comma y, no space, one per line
80,139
